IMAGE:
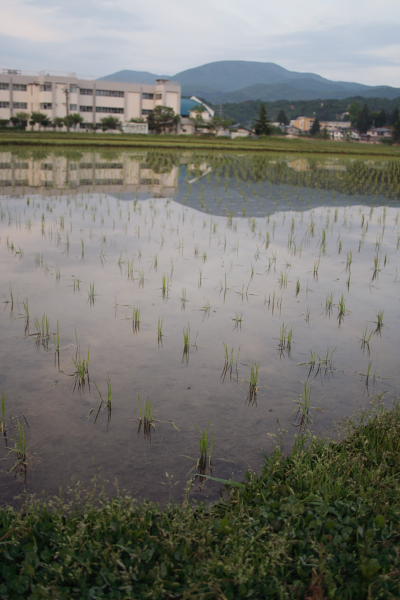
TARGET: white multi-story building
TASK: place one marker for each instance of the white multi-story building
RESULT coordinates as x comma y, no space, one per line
59,96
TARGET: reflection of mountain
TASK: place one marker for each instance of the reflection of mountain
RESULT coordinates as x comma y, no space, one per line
90,171
217,183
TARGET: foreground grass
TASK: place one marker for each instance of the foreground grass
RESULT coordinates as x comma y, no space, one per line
270,143
323,522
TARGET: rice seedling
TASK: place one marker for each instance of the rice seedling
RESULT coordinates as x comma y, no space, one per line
379,322
316,268
285,339
200,279
237,320
82,250
183,298
165,286
319,364
230,364
204,462
329,304
76,284
369,375
366,339
3,417
91,294
303,416
341,309
26,316
57,340
20,467
160,331
186,344
42,333
376,268
136,319
253,385
283,280
206,309
81,373
107,403
146,419
298,287
349,260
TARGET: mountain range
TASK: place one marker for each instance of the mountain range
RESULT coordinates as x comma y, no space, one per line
240,80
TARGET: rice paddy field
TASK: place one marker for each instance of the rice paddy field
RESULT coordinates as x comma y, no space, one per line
167,318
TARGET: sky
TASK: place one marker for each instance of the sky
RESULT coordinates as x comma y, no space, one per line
357,40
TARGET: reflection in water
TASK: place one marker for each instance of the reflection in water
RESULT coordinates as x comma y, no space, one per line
224,184
238,323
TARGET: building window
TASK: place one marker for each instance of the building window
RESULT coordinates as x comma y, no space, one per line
86,92
86,108
46,105
146,111
109,109
4,105
114,93
20,105
21,87
4,86
158,96
46,87
73,107
73,88
147,96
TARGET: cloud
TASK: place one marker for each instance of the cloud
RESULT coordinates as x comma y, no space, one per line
97,37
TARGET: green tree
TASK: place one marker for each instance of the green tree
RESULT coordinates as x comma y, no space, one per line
394,117
162,118
396,132
73,120
38,118
363,121
20,120
315,127
58,122
379,118
354,112
282,118
262,125
110,123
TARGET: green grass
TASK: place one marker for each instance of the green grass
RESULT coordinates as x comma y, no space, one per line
320,523
270,143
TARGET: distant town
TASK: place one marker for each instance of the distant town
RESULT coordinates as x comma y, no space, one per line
66,103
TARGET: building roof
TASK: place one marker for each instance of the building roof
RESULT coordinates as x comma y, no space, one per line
187,105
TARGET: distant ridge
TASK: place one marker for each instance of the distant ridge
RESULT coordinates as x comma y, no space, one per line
240,80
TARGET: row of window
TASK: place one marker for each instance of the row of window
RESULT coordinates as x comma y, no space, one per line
21,87
102,109
89,92
47,87
14,104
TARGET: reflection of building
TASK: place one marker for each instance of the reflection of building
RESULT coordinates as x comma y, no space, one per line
58,96
91,172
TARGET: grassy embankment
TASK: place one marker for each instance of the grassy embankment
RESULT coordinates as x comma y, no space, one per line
272,143
323,522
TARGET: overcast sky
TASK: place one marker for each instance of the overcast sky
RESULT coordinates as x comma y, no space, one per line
348,40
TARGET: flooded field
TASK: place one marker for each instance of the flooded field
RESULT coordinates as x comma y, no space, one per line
163,315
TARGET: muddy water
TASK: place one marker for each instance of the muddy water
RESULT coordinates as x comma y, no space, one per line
246,262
